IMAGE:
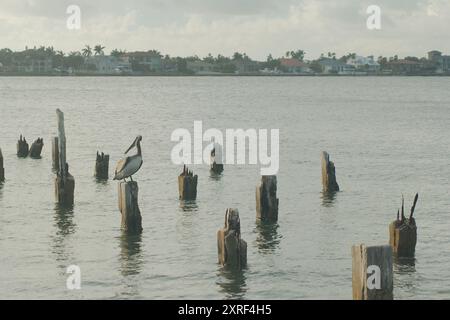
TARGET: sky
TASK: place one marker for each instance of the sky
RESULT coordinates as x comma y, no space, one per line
256,27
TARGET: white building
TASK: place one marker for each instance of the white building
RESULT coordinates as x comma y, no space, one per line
367,64
109,64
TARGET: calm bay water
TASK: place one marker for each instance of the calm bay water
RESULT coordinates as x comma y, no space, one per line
387,136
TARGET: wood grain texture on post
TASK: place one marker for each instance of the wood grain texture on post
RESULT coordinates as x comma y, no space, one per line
55,153
266,199
2,169
187,185
36,148
22,147
102,166
232,250
328,174
403,232
372,272
64,182
129,207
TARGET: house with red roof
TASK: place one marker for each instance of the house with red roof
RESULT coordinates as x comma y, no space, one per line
292,65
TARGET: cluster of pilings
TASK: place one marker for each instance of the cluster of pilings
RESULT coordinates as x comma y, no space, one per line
33,152
372,266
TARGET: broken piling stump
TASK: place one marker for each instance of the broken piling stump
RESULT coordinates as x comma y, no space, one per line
36,148
266,199
372,273
187,185
232,249
102,166
328,174
216,161
22,147
129,207
403,233
64,182
2,170
55,153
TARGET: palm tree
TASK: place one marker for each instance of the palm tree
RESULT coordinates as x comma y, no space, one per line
87,51
98,49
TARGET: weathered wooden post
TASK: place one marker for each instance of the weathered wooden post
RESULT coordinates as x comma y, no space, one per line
55,153
2,170
328,174
36,148
129,207
102,166
22,147
372,273
266,199
187,184
403,233
231,248
64,182
216,166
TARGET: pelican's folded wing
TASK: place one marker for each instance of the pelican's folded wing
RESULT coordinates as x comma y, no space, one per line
121,164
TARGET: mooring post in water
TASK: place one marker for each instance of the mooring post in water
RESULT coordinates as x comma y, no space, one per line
231,248
129,207
102,166
216,166
64,182
266,199
372,273
187,184
328,174
2,170
403,232
36,148
55,153
22,147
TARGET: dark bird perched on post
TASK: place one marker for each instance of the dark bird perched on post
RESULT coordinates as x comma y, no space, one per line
130,165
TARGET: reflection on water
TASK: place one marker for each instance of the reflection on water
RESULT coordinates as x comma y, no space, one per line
405,276
268,239
65,226
100,181
130,254
64,220
215,176
231,283
188,205
328,198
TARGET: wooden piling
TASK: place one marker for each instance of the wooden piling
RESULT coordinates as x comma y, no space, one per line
328,174
187,184
216,167
55,153
129,207
232,249
372,273
36,148
266,199
102,166
403,233
64,182
22,147
2,170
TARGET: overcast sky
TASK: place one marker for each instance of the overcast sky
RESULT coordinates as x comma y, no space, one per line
257,27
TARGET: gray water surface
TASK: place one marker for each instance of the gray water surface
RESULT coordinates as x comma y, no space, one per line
387,136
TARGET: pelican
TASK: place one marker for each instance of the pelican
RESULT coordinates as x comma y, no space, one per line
130,165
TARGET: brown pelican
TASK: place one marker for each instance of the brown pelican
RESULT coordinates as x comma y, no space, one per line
130,165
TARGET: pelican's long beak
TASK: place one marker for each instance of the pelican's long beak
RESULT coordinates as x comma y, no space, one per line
131,147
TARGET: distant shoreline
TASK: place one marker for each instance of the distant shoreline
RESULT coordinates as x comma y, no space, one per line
31,75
